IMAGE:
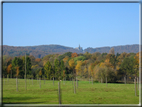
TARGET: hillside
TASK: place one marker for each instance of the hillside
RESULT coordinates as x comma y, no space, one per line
117,49
42,50
37,51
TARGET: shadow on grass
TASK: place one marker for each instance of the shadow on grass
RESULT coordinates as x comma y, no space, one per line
19,100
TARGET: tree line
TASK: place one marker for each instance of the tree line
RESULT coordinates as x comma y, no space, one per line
95,66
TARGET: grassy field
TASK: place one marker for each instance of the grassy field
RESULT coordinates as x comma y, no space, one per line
86,93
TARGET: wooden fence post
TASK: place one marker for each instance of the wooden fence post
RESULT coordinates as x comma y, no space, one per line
53,80
138,82
32,80
134,83
76,83
135,88
74,87
44,80
39,82
106,81
16,84
3,79
59,92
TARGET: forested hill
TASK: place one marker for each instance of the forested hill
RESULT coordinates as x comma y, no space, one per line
37,51
42,50
117,49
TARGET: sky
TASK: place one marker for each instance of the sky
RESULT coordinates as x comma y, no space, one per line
70,24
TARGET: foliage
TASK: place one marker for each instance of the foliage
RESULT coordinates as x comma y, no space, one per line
70,64
74,55
48,70
57,69
9,68
17,71
127,66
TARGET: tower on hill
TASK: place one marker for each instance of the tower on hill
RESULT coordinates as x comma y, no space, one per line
79,48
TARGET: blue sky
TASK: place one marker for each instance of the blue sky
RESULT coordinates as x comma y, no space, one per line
70,24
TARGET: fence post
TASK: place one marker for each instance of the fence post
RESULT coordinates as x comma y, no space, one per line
59,92
40,82
135,88
16,84
32,80
138,82
53,80
44,80
106,81
76,83
74,87
3,79
134,82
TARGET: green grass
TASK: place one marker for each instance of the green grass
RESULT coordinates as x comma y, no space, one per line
86,93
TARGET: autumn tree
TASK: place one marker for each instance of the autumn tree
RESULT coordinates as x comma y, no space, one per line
8,70
74,55
72,66
112,51
78,67
136,64
17,73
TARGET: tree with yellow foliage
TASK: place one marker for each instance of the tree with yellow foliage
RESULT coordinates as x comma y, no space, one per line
78,67
65,60
78,70
72,66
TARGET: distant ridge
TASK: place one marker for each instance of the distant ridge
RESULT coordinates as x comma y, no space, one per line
43,50
118,49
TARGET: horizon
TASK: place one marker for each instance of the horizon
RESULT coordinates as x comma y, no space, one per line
72,47
70,24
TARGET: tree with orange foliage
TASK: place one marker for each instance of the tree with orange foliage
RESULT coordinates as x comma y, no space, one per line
136,67
65,60
8,71
37,59
74,55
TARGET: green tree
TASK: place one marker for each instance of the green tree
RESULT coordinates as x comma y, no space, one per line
127,66
48,70
17,62
62,66
57,68
28,66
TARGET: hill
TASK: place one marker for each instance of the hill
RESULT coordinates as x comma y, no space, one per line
118,49
42,50
37,51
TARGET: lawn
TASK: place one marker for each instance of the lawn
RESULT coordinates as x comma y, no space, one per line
86,93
